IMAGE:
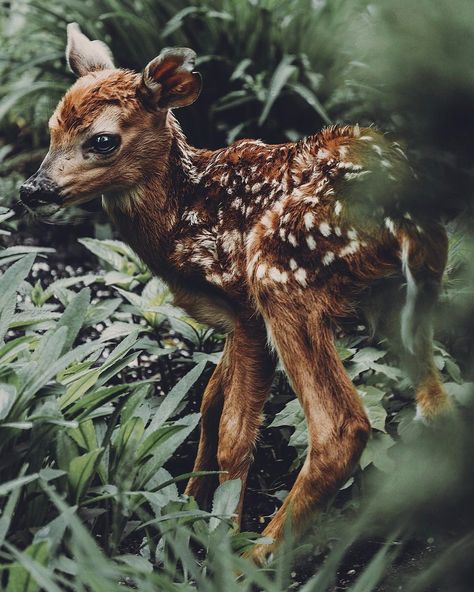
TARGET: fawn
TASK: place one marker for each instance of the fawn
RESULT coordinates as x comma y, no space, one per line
271,244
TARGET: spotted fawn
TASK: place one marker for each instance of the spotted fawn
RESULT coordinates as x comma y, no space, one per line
270,244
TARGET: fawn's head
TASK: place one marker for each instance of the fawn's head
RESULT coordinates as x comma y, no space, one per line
110,129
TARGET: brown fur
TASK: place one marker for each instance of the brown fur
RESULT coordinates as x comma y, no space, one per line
264,242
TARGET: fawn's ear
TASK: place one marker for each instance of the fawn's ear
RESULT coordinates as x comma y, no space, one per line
169,80
84,55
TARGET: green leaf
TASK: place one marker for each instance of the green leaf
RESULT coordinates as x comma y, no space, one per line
9,508
292,415
6,488
84,435
59,285
13,348
77,388
8,395
54,531
95,399
81,471
33,316
66,450
156,439
174,397
101,311
225,501
163,448
9,283
104,252
129,436
283,72
308,95
20,579
376,452
73,317
372,401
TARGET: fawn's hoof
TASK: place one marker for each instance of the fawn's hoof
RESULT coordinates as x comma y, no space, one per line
261,554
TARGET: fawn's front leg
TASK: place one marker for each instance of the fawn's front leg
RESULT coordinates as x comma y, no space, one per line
232,408
251,375
211,410
337,425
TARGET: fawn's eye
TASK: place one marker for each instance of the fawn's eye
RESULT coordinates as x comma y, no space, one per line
104,143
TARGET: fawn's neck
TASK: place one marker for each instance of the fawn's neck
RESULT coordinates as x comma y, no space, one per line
148,215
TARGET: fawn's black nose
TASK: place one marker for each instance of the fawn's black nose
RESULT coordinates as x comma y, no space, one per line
39,190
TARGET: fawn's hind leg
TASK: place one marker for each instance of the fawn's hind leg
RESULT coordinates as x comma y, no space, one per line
337,425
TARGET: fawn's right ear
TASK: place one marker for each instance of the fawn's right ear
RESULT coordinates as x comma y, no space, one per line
169,80
84,55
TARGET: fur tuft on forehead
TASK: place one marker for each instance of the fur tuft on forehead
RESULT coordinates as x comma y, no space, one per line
91,93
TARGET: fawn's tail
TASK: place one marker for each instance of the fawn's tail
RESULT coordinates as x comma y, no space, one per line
423,255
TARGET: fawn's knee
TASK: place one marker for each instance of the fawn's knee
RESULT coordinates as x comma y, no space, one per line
234,453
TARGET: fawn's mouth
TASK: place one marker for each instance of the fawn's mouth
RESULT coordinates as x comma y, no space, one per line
44,210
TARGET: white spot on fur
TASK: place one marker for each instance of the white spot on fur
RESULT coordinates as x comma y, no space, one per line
349,249
256,187
261,271
328,258
366,138
277,275
309,220
356,176
300,276
352,234
338,231
377,149
293,265
337,208
390,225
311,242
324,229
214,278
230,240
193,217
292,239
253,262
323,153
267,220
343,151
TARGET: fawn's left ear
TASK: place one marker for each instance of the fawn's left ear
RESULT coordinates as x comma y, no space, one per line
169,80
85,56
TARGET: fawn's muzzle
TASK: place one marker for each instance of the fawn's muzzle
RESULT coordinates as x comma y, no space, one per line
39,190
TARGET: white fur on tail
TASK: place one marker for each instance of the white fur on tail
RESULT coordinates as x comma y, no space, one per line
408,321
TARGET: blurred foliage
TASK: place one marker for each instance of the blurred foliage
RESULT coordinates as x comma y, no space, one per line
80,434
